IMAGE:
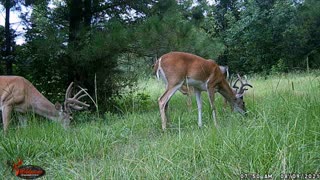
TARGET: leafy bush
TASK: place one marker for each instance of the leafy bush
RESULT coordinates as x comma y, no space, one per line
133,102
280,67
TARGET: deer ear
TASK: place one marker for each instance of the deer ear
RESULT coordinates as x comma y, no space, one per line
58,106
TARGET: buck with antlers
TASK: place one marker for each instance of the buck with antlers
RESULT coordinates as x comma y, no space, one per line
18,94
179,68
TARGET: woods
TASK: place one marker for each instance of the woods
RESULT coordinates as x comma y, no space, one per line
118,41
111,46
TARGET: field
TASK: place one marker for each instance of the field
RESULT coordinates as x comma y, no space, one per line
280,135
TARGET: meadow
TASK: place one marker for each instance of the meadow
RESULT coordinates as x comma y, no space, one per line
279,136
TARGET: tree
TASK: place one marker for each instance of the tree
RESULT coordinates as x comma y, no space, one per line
116,39
8,48
306,28
168,28
265,34
82,47
221,16
9,45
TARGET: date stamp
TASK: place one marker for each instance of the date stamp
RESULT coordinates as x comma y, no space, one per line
300,176
282,176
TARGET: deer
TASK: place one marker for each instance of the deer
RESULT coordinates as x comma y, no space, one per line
18,94
179,69
188,91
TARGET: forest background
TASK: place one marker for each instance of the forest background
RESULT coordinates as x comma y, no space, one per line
117,41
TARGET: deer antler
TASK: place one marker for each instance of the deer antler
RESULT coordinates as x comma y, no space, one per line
243,84
74,102
234,84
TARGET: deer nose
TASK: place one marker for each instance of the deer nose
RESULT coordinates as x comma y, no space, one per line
241,111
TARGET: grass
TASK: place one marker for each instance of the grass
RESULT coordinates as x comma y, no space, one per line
280,135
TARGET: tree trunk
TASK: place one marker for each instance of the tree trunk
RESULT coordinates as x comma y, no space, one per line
80,15
75,15
8,39
87,14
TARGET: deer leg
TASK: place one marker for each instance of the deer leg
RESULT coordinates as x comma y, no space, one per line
6,113
163,102
199,104
8,101
213,108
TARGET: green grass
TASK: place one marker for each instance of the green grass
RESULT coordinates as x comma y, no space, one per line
281,134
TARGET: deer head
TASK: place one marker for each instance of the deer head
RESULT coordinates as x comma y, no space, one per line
71,103
239,92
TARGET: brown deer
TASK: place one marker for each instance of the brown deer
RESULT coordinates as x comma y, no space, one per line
188,91
179,68
18,94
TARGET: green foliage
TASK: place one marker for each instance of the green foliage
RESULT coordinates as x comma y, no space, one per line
2,45
102,57
264,32
53,63
118,41
111,49
133,102
279,67
169,30
280,131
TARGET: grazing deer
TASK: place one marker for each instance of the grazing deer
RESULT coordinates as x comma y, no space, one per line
18,94
179,68
186,90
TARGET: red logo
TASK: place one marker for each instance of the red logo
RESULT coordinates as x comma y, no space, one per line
27,171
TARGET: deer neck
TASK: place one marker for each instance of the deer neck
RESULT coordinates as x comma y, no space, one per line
42,106
226,91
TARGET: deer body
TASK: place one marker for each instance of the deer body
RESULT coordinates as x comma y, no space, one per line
188,91
18,94
23,96
179,69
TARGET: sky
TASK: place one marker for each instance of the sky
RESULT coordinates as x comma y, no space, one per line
15,22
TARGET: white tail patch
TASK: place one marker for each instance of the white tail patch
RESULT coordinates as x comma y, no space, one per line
160,73
227,72
157,74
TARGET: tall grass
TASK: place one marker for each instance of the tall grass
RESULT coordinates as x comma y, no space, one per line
280,135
